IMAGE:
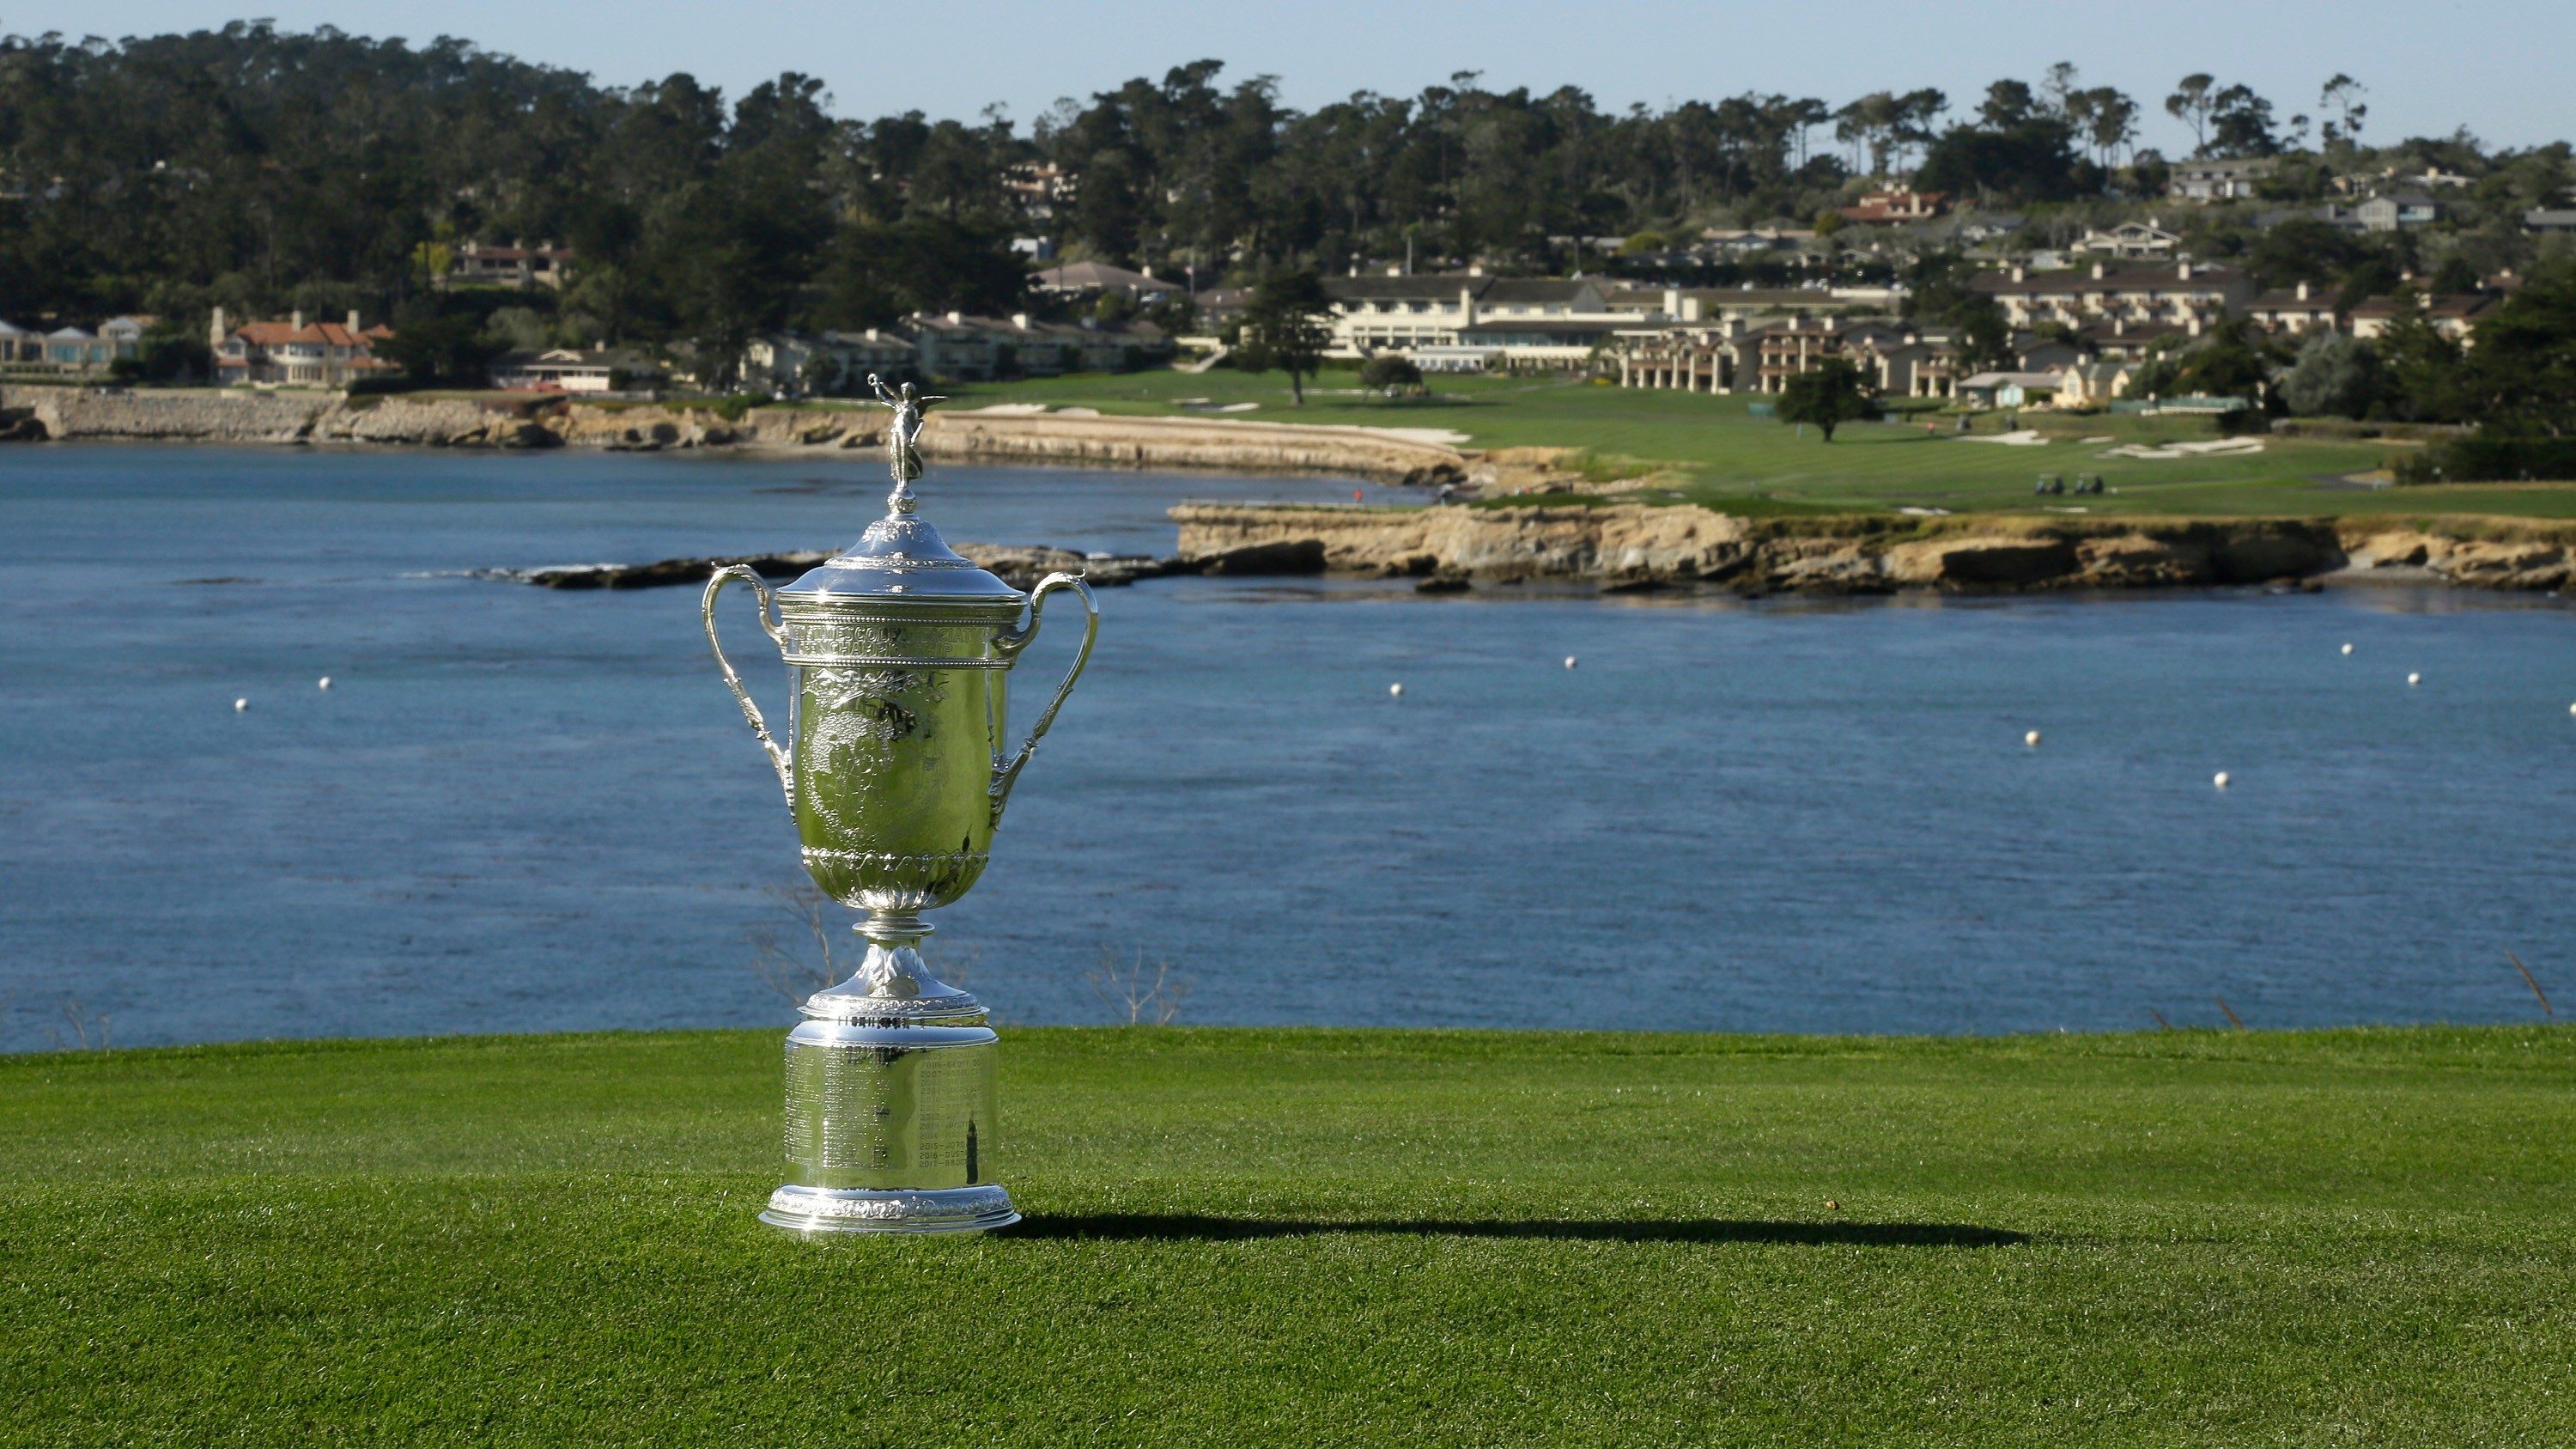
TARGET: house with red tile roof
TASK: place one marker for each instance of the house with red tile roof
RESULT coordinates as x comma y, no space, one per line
296,353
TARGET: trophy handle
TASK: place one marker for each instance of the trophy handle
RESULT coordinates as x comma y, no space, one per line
779,759
1011,641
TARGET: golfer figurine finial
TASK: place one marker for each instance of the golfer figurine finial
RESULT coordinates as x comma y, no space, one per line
903,438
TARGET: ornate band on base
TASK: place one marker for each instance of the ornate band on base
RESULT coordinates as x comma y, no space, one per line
859,1210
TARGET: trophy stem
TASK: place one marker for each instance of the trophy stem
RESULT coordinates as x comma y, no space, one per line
893,968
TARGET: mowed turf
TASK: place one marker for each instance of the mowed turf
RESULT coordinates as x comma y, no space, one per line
1721,455
1314,1237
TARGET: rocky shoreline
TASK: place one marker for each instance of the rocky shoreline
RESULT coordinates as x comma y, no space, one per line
1614,546
1635,547
59,413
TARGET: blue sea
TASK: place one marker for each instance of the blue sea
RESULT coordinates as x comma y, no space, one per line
523,810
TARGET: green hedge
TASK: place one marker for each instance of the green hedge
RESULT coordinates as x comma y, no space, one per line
2490,458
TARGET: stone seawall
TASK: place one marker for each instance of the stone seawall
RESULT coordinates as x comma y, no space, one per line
468,421
208,416
1640,546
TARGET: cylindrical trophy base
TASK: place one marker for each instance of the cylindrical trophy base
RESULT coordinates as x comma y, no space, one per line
890,1122
862,1210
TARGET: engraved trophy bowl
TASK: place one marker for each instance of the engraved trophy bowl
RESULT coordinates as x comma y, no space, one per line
896,770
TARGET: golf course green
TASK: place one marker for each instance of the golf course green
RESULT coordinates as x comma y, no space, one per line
1311,1237
1713,449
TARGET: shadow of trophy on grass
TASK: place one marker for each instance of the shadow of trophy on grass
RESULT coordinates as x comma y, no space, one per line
896,771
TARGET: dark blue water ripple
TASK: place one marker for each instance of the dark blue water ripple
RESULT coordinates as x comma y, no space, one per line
521,810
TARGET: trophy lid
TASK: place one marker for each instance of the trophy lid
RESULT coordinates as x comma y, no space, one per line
901,556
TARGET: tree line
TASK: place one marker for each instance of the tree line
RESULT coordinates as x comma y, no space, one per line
257,168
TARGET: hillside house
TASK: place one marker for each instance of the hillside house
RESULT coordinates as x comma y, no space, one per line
1986,227
2120,340
1093,279
2454,315
2398,212
1037,188
2179,293
2291,311
2341,218
1885,207
2130,241
515,265
2218,180
955,344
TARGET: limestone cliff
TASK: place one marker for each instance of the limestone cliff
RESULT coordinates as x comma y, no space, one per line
1636,545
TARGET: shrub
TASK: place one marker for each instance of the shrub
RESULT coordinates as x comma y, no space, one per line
1389,372
2334,374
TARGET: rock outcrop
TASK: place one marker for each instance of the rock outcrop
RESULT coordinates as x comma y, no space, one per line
1635,545
1017,566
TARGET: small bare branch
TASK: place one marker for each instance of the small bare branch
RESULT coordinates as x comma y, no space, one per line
89,1028
784,967
2527,980
1128,985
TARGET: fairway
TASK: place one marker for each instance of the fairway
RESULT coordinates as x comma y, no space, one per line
1314,1237
1715,452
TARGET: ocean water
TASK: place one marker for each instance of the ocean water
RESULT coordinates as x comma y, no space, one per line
523,810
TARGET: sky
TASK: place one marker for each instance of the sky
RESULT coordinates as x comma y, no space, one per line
2499,67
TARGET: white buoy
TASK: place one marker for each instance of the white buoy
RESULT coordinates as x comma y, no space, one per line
2031,739
239,705
2571,709
2347,649
1395,691
2414,679
2219,779
1569,661
324,683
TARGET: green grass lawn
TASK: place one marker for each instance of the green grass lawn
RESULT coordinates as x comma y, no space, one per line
1729,458
1315,1237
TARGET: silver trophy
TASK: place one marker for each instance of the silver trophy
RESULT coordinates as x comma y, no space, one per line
898,652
